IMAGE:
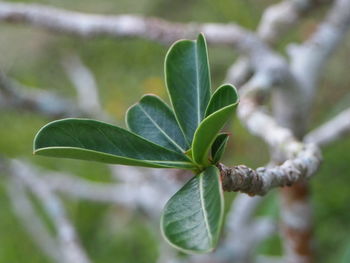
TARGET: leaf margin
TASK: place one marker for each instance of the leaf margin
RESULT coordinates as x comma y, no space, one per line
198,156
221,218
153,96
148,163
201,38
219,150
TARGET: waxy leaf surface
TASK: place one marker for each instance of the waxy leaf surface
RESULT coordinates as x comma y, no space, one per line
223,96
97,141
188,82
218,147
192,218
152,119
220,108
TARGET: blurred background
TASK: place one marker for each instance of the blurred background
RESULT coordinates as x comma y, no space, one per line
125,69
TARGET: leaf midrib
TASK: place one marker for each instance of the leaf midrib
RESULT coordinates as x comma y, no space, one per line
197,85
161,130
110,154
205,214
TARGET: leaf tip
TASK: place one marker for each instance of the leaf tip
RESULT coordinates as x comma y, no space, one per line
201,37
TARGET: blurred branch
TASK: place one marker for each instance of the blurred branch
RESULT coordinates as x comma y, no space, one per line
309,58
292,105
85,84
279,18
91,25
122,26
255,117
332,130
243,232
276,21
159,30
138,188
270,259
239,72
135,192
30,220
292,109
70,248
15,96
142,191
79,188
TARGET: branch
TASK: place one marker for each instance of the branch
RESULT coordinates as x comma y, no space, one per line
139,189
260,123
292,105
260,181
333,130
85,85
119,26
15,96
292,109
309,58
276,21
79,188
26,213
303,160
124,26
243,232
279,18
71,250
155,29
239,72
136,189
139,194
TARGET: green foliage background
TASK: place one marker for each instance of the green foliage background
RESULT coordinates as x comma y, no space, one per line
127,68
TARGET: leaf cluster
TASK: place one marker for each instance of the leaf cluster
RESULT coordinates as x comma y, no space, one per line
185,136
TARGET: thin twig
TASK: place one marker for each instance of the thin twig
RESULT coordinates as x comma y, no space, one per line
336,128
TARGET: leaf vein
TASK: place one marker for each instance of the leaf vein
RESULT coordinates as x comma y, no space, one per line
161,130
197,86
205,214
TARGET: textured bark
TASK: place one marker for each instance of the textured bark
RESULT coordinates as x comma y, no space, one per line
260,181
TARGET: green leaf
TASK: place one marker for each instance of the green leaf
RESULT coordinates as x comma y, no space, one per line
152,119
97,141
192,218
218,147
188,82
223,96
222,104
